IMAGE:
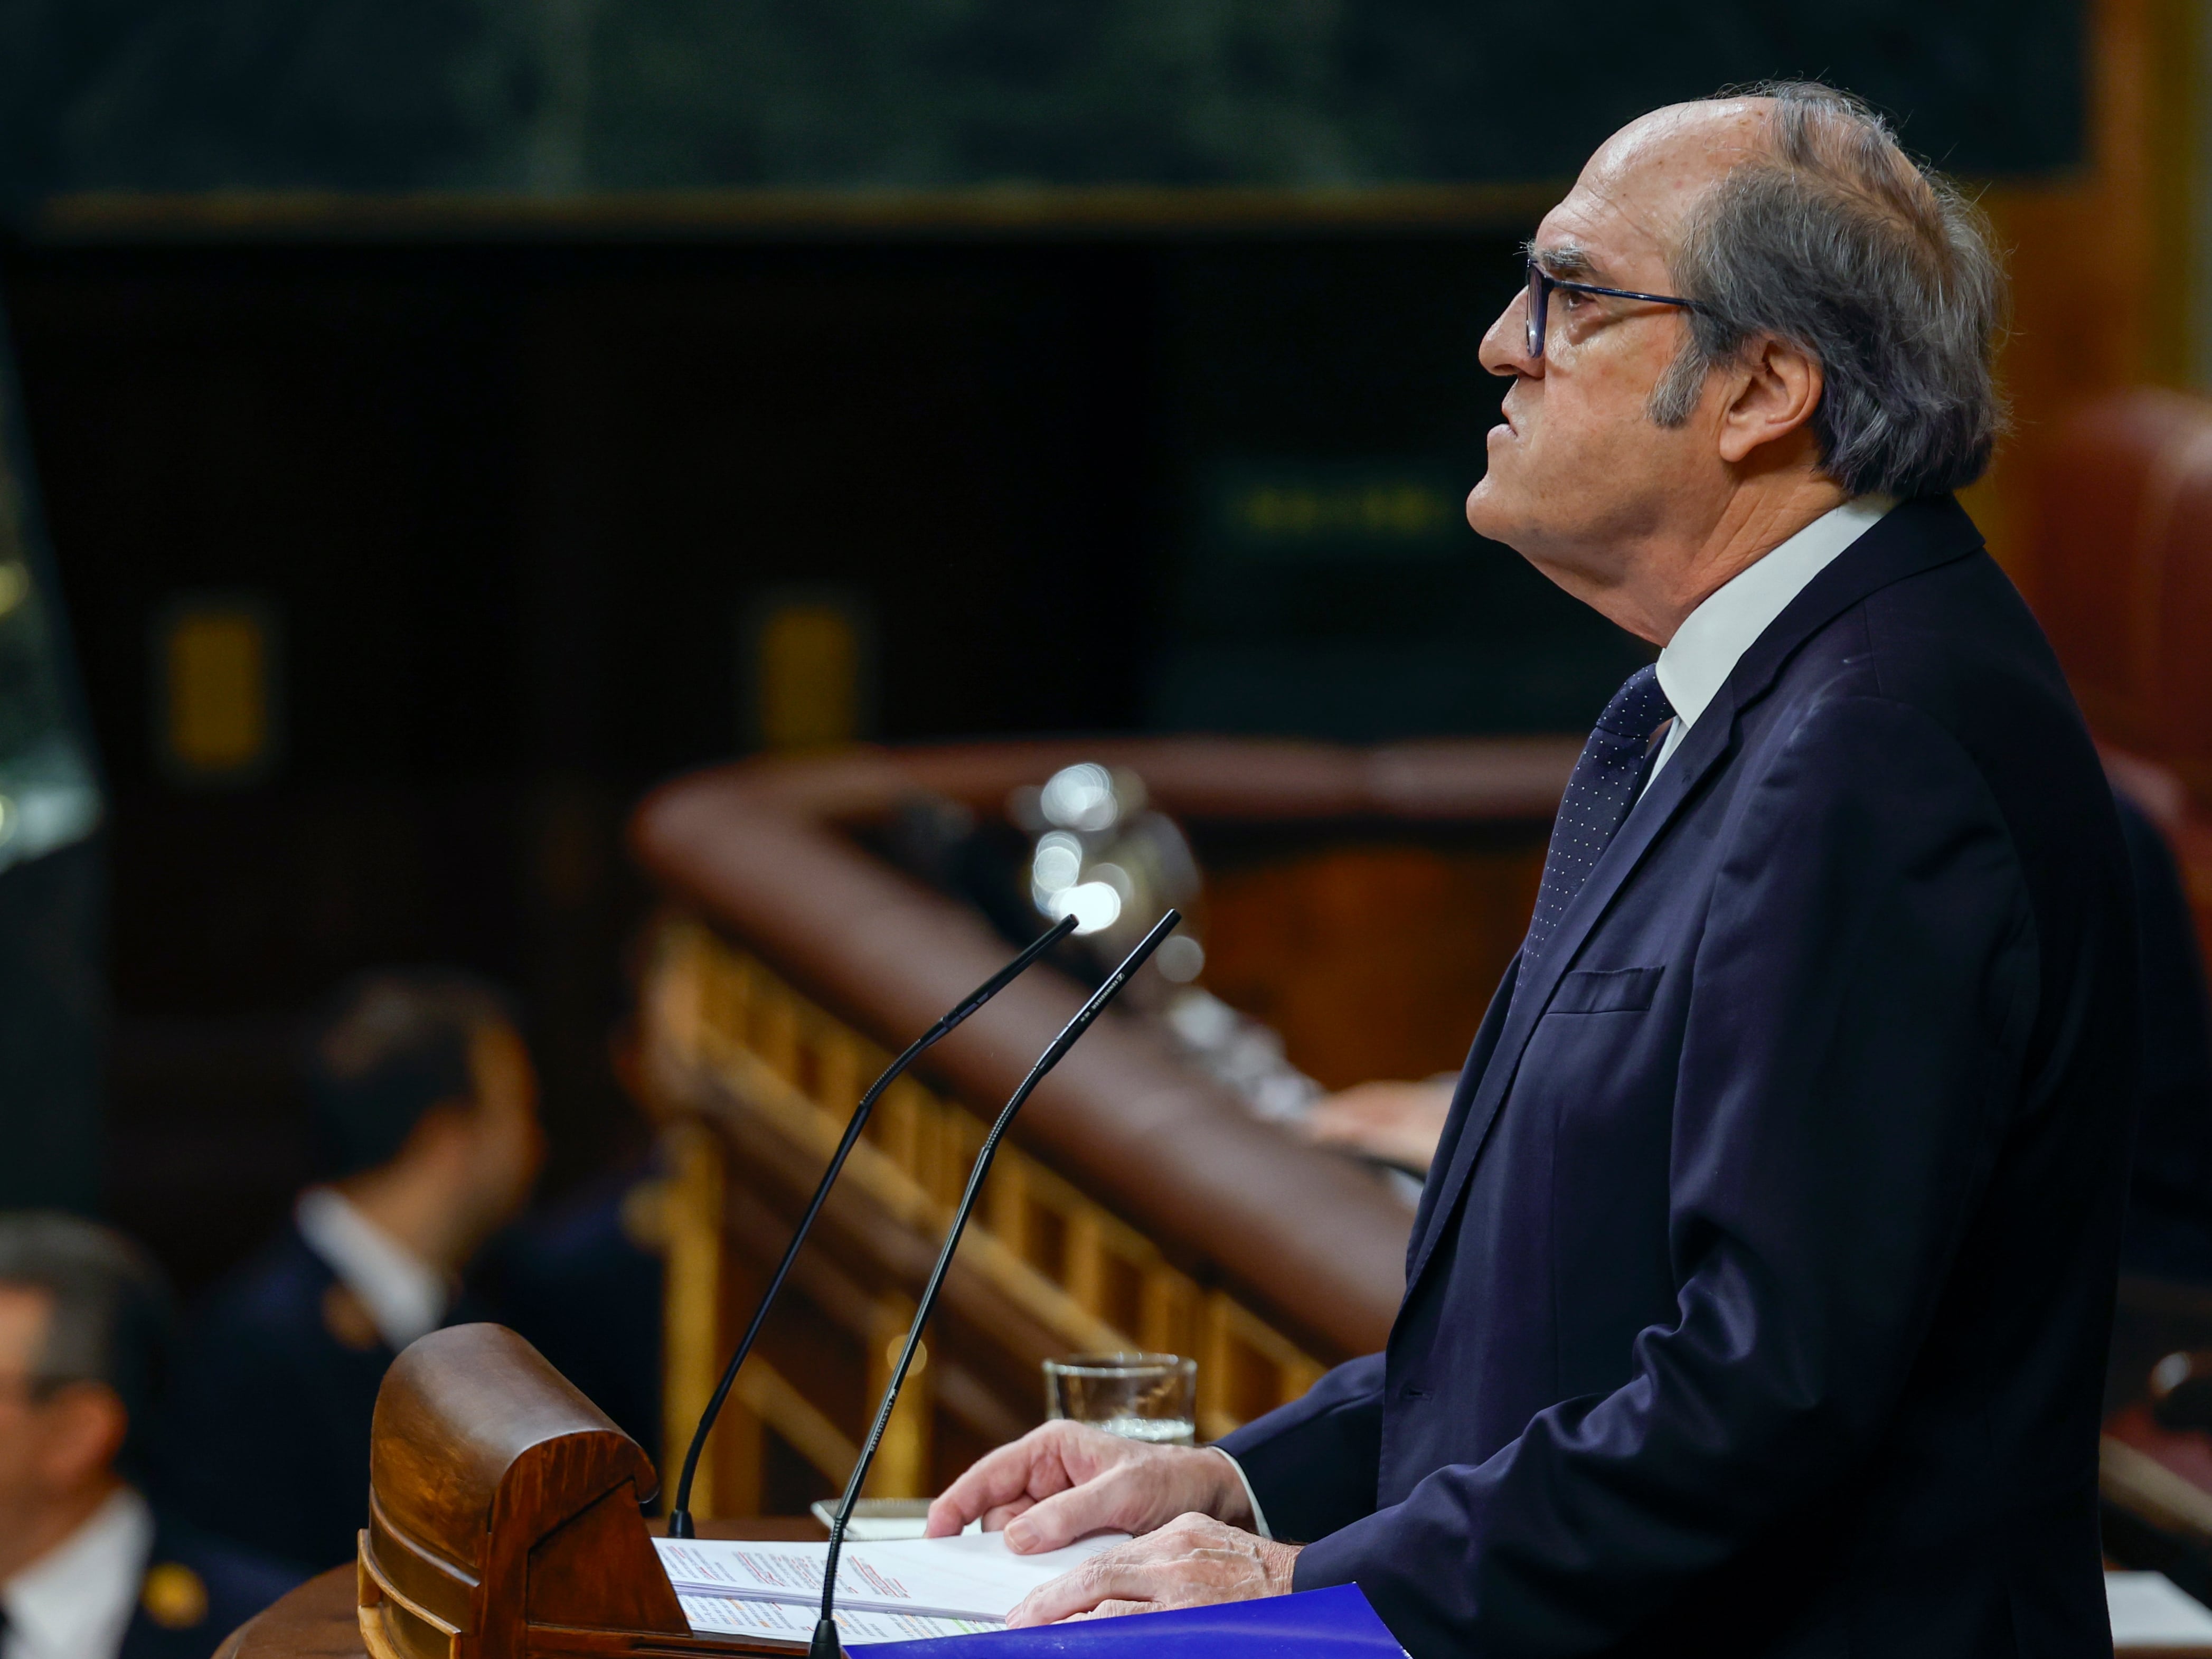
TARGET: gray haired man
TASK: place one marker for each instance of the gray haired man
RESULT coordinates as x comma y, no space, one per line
1758,1300
87,1568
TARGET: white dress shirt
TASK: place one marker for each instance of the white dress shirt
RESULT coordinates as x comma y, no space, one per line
1259,1518
76,1600
1697,662
403,1297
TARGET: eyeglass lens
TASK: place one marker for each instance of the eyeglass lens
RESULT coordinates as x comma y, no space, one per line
1538,292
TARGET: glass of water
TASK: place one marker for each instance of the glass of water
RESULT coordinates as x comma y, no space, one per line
1138,1396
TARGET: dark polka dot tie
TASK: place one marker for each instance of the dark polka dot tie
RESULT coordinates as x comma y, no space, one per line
1598,798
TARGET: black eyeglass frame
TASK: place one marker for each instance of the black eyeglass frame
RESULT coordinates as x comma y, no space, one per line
1541,283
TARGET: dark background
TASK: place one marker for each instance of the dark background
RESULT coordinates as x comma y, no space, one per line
508,490
509,505
619,95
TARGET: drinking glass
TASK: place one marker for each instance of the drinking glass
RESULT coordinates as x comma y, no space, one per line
1139,1396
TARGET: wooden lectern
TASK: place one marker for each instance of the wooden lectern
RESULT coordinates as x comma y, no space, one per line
504,1518
504,1523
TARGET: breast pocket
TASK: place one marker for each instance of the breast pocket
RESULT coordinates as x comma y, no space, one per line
1606,991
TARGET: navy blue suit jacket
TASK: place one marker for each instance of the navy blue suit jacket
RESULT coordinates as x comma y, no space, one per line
1758,1302
233,1587
264,1437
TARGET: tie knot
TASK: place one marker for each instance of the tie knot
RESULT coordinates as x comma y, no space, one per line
1638,707
1598,796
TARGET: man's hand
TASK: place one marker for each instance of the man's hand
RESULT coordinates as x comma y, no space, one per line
1065,1481
1191,1561
1399,1123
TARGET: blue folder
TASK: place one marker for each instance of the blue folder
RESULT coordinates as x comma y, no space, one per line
1324,1624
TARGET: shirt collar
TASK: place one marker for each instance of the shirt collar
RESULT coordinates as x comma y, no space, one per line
404,1296
1697,662
76,1600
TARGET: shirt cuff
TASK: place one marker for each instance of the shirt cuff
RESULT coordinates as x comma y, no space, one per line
1259,1515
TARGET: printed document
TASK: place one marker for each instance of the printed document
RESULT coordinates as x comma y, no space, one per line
974,1577
2148,1613
788,1621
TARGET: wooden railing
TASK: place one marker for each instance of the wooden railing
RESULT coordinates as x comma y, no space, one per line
1081,1272
1138,1205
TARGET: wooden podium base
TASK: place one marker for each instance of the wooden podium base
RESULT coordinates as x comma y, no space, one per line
318,1621
504,1522
321,1620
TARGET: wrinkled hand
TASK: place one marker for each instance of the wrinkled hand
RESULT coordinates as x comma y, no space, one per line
1192,1560
1397,1123
1065,1481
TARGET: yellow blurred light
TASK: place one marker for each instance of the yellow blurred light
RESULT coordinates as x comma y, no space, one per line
810,677
218,690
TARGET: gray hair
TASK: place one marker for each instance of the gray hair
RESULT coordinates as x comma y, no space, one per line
112,1313
1839,243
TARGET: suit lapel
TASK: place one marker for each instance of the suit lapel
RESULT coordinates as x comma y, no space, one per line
1914,537
1707,742
1470,1078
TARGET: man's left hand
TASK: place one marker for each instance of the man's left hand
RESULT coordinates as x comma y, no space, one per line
1192,1560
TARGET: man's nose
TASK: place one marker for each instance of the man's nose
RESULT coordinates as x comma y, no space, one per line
1505,346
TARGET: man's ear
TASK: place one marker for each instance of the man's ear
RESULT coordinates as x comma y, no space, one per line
1774,391
442,1131
86,1425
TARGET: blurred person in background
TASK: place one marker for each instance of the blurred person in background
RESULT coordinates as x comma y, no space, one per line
2169,1225
580,1280
425,1112
88,1569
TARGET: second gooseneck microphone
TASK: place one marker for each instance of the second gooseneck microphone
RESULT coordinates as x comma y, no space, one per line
825,1645
679,1513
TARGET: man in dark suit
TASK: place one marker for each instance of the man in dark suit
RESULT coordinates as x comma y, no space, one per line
425,1110
2168,1233
87,1570
1758,1302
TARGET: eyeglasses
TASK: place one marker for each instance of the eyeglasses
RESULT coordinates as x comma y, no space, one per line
1540,297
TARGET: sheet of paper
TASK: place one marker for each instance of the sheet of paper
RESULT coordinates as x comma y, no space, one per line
2149,1612
881,1517
727,1615
974,1575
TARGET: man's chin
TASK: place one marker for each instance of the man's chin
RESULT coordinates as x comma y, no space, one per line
1489,511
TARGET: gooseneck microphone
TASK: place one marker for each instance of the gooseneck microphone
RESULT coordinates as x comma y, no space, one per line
825,1645
679,1513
